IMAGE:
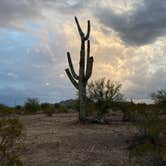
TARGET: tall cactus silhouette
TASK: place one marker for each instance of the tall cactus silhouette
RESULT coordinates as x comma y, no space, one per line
80,81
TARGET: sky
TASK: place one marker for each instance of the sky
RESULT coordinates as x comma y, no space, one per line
128,43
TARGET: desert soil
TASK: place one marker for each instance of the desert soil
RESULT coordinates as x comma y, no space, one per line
61,141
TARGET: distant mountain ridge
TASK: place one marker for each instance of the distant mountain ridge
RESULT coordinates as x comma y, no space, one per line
67,102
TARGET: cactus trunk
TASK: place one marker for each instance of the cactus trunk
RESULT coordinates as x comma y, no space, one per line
80,81
82,99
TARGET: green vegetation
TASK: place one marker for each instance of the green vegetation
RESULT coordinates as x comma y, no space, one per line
31,105
10,141
104,93
148,147
4,110
62,109
159,97
48,109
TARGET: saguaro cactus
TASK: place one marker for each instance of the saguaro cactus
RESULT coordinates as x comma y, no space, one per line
80,81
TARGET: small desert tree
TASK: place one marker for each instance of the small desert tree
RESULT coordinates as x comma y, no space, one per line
32,105
80,81
159,97
48,109
104,93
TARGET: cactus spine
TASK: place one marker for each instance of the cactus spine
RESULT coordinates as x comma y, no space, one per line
80,81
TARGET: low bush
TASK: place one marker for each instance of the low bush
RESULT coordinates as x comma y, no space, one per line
91,108
4,110
62,109
148,147
31,105
48,109
18,109
10,142
56,105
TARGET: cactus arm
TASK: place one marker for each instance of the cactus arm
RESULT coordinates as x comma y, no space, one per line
89,68
71,78
88,31
79,28
88,49
88,58
71,67
82,61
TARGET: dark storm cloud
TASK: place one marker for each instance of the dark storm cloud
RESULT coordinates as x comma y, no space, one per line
14,12
11,11
142,25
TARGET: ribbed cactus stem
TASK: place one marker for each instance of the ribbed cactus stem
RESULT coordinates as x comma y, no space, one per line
71,66
71,78
80,81
88,31
89,65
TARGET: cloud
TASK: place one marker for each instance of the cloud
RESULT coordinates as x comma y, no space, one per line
33,66
17,10
19,13
36,34
141,25
137,68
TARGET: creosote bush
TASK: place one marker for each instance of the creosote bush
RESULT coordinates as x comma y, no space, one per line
10,141
148,147
48,109
62,109
4,110
159,97
31,105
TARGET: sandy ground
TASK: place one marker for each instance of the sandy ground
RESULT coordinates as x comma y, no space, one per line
61,141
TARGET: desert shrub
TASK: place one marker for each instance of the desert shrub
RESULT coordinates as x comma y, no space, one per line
56,105
18,109
62,109
4,110
71,104
7,111
159,97
91,108
10,141
77,104
48,109
130,109
148,147
104,93
31,105
127,108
